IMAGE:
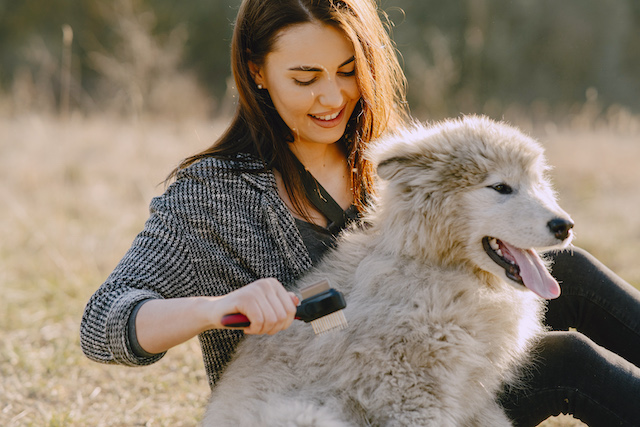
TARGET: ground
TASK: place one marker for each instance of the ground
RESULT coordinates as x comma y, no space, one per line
74,194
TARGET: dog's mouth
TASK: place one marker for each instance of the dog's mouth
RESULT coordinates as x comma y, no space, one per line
522,266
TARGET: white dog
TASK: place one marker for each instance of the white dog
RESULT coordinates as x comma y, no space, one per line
439,316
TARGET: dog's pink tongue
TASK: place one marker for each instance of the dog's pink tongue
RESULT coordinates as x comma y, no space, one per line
534,274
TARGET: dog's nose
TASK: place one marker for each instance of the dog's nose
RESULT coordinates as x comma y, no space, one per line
560,227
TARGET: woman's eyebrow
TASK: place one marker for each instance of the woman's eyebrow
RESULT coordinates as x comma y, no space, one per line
316,69
305,68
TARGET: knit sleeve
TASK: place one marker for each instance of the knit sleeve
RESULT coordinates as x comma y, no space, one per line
156,266
218,227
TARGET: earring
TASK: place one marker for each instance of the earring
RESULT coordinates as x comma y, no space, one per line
259,86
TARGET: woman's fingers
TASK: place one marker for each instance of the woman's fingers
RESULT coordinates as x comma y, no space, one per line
267,305
281,311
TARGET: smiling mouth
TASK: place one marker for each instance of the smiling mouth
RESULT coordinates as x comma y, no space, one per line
327,117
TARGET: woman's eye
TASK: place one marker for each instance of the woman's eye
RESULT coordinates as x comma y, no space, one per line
304,82
313,80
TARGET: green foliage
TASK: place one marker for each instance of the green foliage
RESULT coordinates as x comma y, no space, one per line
470,55
23,22
459,55
210,25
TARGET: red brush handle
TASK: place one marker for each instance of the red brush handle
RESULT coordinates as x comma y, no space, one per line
311,308
235,320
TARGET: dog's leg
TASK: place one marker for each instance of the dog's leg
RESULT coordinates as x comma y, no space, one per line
490,415
279,411
292,412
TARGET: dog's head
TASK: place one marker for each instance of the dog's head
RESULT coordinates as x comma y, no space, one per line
472,192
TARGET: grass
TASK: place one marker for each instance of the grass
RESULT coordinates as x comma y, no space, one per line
74,196
75,193
597,177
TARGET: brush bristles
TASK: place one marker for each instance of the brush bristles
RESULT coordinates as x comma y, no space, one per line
329,322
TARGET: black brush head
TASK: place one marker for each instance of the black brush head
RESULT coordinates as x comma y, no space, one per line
320,305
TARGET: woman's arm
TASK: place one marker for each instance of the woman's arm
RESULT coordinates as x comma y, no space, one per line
165,323
201,243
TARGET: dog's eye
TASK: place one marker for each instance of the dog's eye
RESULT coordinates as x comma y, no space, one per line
502,188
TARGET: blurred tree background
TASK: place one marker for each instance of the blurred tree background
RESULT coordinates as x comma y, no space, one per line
544,57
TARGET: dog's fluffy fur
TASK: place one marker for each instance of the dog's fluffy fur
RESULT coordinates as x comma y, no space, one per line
435,325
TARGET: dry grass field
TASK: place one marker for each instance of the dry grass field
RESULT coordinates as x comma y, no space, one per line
73,196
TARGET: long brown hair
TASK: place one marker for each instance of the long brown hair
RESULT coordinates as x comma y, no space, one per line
257,129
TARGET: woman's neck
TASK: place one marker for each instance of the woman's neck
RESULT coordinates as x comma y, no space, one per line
328,165
321,160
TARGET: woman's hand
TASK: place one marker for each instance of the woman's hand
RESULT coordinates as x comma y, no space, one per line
268,306
164,323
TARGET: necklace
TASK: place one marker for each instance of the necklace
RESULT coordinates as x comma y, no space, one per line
322,200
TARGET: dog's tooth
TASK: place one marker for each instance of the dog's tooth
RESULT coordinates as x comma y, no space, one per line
499,252
494,244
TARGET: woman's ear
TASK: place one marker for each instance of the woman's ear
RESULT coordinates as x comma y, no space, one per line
256,74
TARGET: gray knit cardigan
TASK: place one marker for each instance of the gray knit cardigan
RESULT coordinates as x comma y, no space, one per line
219,226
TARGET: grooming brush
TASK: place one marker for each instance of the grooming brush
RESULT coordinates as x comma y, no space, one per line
321,306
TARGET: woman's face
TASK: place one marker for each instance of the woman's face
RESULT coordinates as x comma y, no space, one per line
310,76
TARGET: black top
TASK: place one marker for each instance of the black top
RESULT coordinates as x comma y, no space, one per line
319,239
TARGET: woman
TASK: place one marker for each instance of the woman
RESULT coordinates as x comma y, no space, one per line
318,80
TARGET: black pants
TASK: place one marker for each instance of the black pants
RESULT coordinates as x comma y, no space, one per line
593,373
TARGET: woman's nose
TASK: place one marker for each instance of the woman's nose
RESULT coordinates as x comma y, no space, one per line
332,94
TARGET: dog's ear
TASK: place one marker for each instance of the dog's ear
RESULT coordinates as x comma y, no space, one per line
388,168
